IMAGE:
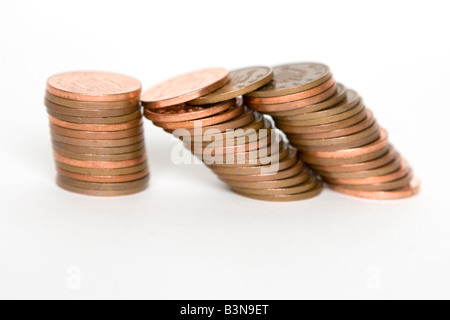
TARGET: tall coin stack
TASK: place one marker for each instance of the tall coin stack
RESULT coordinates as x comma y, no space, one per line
97,133
205,109
334,132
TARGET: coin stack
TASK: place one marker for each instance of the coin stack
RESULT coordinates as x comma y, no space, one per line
97,133
205,110
335,133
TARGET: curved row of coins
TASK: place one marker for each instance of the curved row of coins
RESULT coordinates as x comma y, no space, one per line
335,133
97,133
206,111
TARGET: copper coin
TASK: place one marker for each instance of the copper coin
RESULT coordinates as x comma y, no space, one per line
233,148
411,190
314,192
102,193
242,81
104,179
88,113
273,184
100,164
98,143
230,142
101,121
102,172
86,105
293,78
98,128
232,113
386,186
98,157
186,112
284,174
363,125
100,151
358,167
289,106
282,164
337,98
185,88
95,135
104,186
93,86
301,188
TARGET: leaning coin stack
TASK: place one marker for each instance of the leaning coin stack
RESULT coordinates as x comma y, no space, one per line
97,133
334,132
205,110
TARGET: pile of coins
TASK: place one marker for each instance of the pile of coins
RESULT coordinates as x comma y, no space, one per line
97,133
335,133
206,111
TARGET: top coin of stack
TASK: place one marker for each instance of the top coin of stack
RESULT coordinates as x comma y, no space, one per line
336,134
97,133
206,111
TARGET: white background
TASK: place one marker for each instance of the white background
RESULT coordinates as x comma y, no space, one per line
188,237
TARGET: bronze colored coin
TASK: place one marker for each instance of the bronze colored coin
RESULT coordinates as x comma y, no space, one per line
284,174
242,81
185,88
301,188
100,151
85,105
101,193
102,172
361,126
358,167
97,128
98,121
104,179
296,96
93,86
387,186
324,127
274,184
232,148
95,135
350,177
88,113
184,112
314,192
351,153
282,164
104,186
401,172
98,143
411,190
289,106
337,98
228,141
232,113
97,157
293,78
353,111
341,141
101,164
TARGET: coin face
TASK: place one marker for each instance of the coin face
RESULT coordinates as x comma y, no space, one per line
293,78
242,82
93,86
185,88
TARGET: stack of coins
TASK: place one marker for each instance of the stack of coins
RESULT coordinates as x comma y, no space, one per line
334,132
205,109
97,133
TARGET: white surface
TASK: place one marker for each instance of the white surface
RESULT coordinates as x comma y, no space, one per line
188,237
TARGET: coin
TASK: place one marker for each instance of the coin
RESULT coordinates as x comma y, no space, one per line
95,135
97,157
88,113
93,86
185,88
242,81
97,143
102,172
386,186
293,78
100,151
100,164
93,127
104,186
102,193
301,188
95,105
98,121
103,179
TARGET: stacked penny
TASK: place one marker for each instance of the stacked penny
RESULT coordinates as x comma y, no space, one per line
205,110
97,133
335,133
